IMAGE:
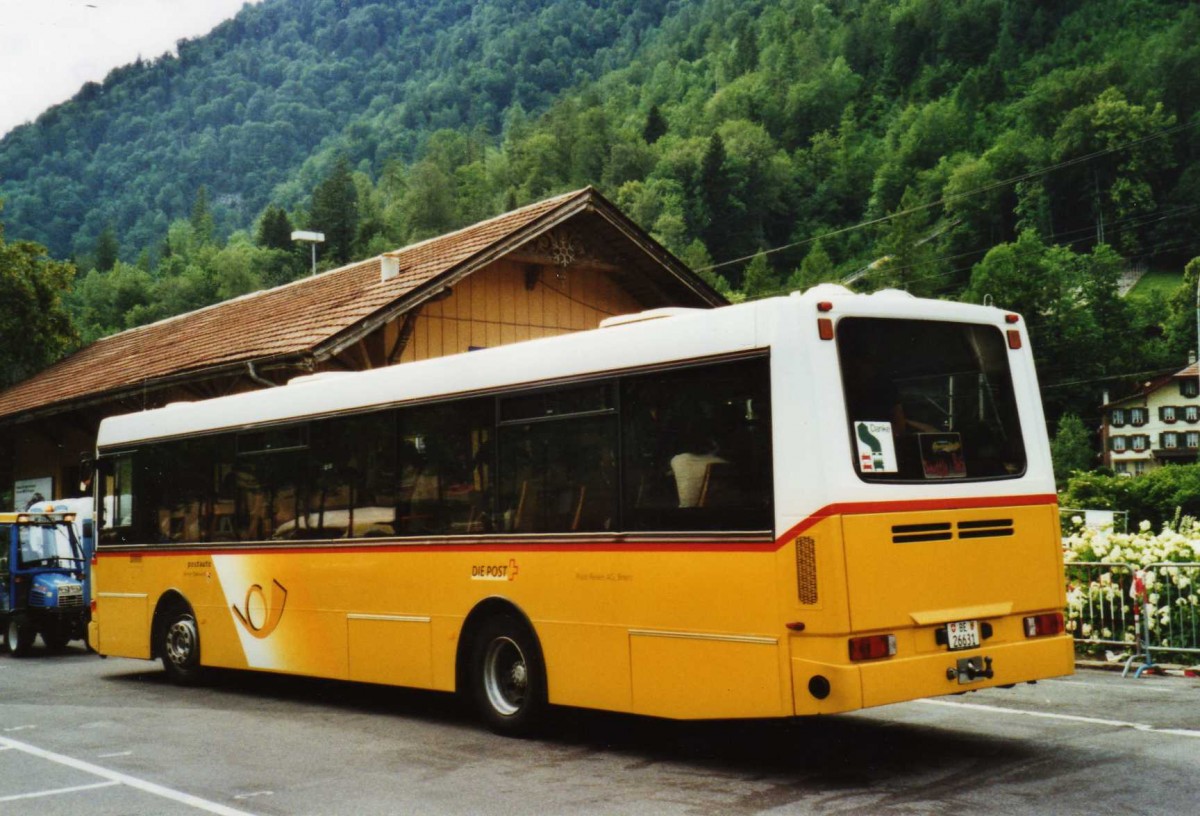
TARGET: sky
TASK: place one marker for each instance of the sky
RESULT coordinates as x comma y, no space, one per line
50,48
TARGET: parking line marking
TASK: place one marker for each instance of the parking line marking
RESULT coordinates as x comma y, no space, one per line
57,791
117,754
125,779
1179,732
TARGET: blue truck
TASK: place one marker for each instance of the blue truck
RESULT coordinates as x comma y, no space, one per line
42,574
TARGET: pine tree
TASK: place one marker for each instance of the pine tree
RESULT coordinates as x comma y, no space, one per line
275,229
202,218
655,127
335,212
107,249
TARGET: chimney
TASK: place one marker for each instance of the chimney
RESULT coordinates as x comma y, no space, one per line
389,267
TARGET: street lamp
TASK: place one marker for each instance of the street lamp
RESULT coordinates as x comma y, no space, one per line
312,238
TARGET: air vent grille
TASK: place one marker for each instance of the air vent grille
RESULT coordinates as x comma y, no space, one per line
806,570
945,531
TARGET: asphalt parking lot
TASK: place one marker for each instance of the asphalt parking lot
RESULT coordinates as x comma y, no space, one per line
84,735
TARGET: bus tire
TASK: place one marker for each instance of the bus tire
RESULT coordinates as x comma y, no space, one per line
179,647
508,676
19,635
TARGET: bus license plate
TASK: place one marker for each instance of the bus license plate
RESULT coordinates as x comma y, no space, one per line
962,635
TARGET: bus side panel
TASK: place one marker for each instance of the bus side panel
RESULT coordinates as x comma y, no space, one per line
680,676
123,625
588,665
390,650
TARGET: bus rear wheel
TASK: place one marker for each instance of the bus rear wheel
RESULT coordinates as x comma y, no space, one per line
19,635
508,677
179,647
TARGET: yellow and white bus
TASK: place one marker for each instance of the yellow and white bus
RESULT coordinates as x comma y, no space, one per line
802,505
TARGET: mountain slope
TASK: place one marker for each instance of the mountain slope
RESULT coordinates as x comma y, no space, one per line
241,109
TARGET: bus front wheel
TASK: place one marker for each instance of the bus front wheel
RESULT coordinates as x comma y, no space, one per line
179,647
19,635
508,677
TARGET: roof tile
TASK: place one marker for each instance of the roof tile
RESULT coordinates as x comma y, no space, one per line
287,320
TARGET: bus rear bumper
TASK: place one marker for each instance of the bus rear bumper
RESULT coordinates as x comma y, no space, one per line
823,688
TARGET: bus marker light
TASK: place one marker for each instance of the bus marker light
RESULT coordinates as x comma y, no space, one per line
93,605
872,647
796,626
1042,625
1014,339
825,306
825,328
1011,318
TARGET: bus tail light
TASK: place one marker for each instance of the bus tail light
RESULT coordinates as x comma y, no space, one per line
872,647
1042,625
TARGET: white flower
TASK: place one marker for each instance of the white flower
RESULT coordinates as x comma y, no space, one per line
1144,526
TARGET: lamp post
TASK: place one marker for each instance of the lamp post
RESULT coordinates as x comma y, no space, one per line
311,238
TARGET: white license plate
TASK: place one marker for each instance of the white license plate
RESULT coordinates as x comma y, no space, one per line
962,635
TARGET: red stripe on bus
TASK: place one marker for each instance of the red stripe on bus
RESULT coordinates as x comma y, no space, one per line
829,511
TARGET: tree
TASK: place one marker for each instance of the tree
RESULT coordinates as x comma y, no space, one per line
35,328
107,249
910,258
759,279
655,127
275,229
1071,450
202,218
335,212
815,268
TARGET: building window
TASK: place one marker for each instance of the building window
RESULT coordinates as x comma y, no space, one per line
1117,419
1140,442
1118,444
1139,467
1189,387
1167,413
1169,440
1191,439
1138,416
1120,467
1191,413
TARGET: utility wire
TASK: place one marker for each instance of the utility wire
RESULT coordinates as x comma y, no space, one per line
1162,134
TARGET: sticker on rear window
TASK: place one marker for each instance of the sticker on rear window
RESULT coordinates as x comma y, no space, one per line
876,448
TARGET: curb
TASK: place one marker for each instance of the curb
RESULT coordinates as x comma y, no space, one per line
1167,669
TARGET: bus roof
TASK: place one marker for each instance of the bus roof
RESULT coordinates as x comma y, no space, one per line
678,335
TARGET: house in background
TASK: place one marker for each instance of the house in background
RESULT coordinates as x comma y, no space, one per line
560,265
1157,425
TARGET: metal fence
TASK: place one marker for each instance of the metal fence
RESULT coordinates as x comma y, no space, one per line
1145,615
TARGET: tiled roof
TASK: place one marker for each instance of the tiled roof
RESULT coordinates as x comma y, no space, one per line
286,321
1150,386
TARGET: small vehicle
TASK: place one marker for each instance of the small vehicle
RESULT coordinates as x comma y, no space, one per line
82,510
42,570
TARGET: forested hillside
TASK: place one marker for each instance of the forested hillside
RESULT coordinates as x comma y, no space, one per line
1024,151
241,109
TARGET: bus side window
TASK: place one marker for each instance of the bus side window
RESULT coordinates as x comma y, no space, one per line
697,448
115,510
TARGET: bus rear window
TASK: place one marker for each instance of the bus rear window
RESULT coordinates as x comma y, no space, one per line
928,400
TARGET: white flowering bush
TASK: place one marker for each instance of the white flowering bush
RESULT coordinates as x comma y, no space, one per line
1118,582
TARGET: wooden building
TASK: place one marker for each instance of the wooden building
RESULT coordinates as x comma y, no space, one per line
560,265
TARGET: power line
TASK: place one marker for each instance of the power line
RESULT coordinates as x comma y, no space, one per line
1162,134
